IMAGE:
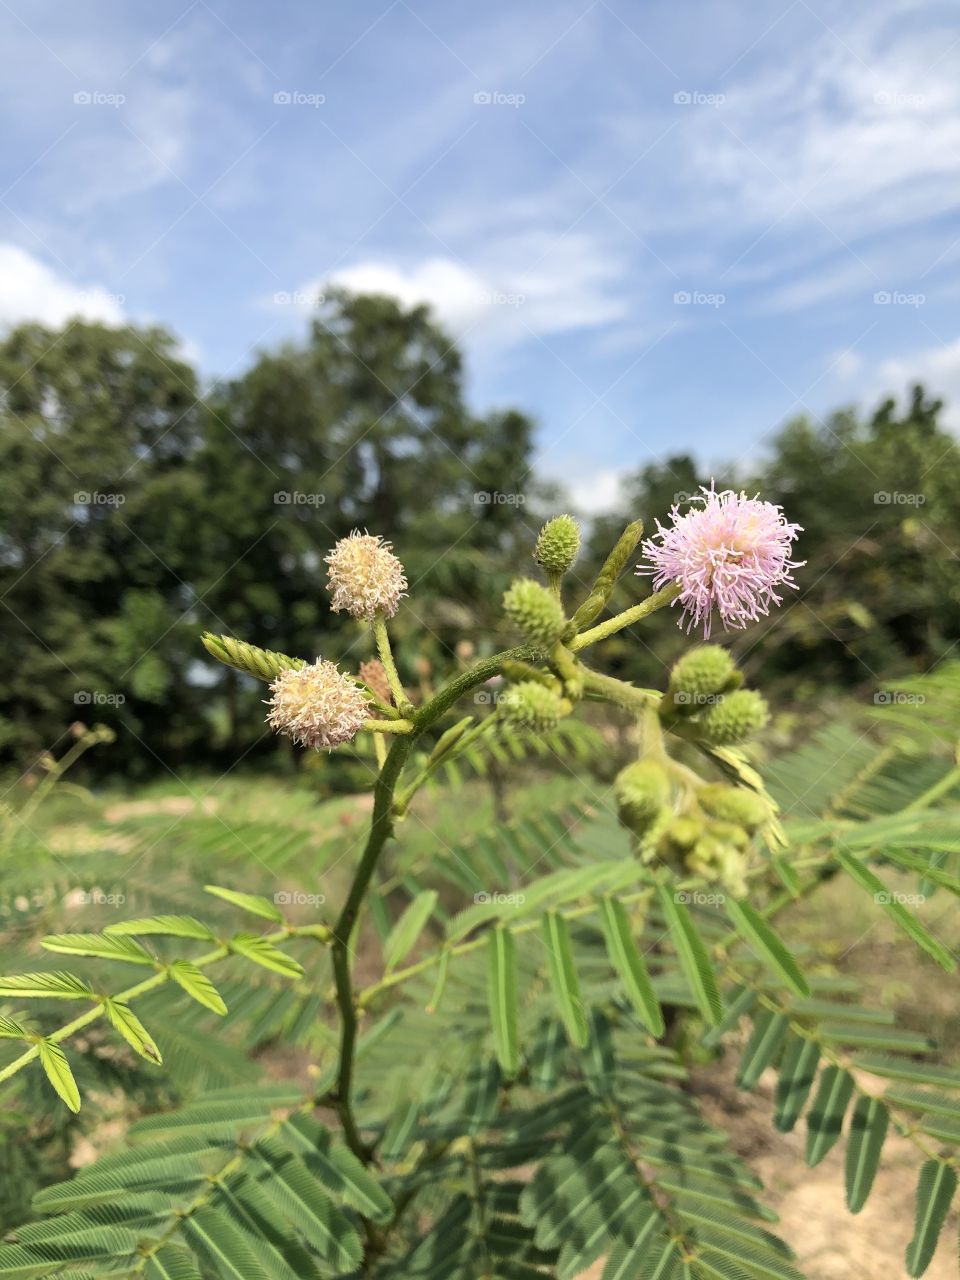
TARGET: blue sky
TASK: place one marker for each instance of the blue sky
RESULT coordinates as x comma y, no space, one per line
654,226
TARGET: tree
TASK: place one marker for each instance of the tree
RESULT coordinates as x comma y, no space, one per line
95,427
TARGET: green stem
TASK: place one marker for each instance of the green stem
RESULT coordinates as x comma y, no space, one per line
628,696
386,657
666,595
484,670
387,726
381,827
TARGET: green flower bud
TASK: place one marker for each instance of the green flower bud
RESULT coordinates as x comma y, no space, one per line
530,705
735,804
702,673
642,790
684,832
262,663
728,835
535,611
734,718
557,544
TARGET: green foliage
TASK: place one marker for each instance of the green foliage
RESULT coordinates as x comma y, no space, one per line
500,1088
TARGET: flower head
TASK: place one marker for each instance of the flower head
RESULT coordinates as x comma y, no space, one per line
317,705
365,576
731,552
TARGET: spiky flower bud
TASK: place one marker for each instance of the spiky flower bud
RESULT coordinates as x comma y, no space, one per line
735,804
734,718
264,664
374,675
365,576
642,790
703,672
557,544
317,705
530,705
535,611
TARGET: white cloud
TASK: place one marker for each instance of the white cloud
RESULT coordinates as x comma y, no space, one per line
938,368
531,284
30,290
457,294
846,363
860,127
592,492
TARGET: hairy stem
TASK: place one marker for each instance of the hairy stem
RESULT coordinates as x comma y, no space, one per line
381,827
382,638
666,595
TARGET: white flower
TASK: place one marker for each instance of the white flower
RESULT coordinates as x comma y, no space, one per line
365,576
317,705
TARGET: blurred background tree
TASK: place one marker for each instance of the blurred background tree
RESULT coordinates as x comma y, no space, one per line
137,508
136,511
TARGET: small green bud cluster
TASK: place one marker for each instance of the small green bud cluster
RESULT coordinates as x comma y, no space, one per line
535,611
642,791
735,718
704,672
708,832
747,809
722,853
532,705
558,544
704,694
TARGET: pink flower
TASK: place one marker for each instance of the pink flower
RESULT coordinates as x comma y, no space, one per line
730,553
